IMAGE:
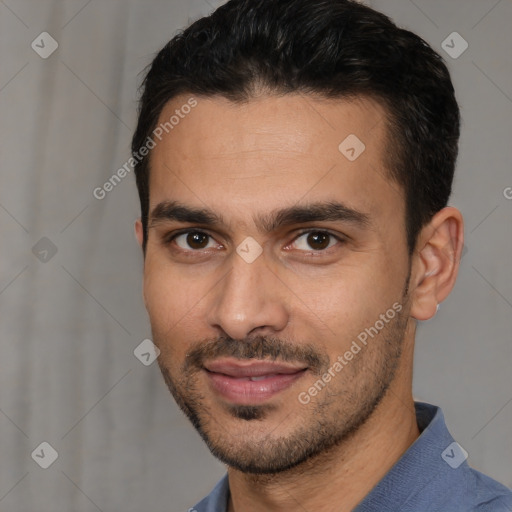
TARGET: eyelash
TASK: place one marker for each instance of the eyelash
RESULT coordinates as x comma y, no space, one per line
190,252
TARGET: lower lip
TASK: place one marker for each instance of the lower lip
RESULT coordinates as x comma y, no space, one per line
248,392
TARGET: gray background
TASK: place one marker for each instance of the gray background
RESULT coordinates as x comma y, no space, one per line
70,322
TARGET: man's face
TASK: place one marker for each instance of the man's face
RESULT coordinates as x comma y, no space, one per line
303,253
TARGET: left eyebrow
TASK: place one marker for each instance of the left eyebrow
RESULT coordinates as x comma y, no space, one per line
331,211
315,212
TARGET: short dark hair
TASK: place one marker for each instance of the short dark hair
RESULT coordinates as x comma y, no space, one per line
331,48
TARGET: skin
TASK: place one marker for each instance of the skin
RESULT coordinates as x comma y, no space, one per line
243,161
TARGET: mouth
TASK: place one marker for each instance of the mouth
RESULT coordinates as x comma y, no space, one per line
251,382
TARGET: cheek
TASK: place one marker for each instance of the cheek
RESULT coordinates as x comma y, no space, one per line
342,294
173,302
164,300
339,306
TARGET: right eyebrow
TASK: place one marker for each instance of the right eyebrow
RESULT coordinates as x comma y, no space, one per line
172,210
330,211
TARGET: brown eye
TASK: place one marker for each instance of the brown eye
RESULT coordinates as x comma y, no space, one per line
315,241
318,241
192,240
197,240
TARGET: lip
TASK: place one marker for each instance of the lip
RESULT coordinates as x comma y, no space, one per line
231,379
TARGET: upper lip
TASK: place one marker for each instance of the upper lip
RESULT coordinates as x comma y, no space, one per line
250,368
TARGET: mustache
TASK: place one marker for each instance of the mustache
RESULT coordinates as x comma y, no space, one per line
261,347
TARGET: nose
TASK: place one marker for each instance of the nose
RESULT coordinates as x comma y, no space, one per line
249,300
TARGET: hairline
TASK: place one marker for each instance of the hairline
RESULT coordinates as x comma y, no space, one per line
260,90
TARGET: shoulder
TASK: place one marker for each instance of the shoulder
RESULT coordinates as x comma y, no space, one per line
490,495
216,501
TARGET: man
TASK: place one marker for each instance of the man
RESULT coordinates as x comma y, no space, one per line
294,163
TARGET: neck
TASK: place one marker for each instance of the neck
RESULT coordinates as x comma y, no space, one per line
339,479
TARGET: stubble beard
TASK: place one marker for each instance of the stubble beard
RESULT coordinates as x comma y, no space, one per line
340,409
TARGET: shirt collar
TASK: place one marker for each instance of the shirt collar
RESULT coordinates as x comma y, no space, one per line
417,468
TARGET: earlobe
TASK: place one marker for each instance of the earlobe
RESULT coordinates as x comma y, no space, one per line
436,262
139,232
139,235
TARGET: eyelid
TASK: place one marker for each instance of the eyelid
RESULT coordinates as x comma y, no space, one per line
340,238
168,238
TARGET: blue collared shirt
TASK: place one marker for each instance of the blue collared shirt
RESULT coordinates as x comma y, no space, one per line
431,476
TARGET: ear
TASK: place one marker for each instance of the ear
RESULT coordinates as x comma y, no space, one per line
436,262
139,232
139,235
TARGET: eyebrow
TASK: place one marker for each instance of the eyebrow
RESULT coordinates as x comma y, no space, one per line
297,214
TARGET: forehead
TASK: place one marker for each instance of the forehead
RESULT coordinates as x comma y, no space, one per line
272,151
